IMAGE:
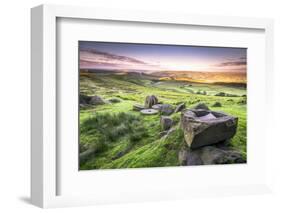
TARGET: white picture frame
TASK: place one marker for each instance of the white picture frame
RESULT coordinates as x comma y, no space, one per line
44,154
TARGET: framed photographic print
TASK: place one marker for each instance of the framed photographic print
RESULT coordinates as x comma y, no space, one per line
133,101
130,106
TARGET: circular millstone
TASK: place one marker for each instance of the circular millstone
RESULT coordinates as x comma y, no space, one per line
149,111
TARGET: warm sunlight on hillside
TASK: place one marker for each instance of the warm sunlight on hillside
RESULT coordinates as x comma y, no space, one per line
203,77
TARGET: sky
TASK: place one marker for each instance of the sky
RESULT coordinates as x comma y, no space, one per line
155,57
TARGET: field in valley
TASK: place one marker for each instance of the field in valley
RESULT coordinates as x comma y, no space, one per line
113,135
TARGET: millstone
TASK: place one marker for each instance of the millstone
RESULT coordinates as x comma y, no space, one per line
149,111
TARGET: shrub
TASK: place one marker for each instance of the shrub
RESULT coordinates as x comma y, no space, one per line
220,94
217,104
137,136
106,128
223,94
242,101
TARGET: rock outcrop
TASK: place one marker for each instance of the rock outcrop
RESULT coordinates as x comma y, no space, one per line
213,155
84,99
209,155
182,157
96,100
166,123
217,104
114,100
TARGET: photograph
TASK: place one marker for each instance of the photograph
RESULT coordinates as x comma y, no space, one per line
144,105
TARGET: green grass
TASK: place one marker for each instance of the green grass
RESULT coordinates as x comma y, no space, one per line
119,137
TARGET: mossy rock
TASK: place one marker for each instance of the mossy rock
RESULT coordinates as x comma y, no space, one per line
217,104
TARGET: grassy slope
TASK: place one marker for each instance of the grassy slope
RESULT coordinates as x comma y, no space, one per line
130,140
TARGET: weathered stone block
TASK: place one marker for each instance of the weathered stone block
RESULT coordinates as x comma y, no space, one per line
204,127
150,101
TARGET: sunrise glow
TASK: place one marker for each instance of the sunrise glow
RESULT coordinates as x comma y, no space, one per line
151,58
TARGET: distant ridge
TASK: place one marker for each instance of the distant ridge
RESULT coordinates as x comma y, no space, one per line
219,78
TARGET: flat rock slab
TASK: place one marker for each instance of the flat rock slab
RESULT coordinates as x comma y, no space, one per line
149,111
204,127
138,107
166,109
157,106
